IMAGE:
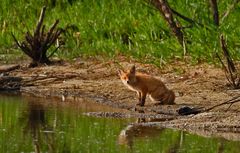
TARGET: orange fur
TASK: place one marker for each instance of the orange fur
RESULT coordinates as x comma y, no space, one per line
145,84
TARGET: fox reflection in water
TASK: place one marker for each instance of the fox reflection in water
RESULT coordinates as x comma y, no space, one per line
141,131
137,131
34,123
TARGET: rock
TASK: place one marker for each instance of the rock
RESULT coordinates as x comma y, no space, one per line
185,110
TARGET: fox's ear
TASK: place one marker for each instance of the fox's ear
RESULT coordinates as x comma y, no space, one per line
120,72
133,69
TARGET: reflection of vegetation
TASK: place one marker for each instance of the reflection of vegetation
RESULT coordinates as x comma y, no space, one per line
221,146
36,125
177,145
73,132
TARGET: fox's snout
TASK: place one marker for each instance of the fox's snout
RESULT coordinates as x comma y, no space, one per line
125,81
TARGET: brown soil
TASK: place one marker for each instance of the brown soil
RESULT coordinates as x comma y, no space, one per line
202,85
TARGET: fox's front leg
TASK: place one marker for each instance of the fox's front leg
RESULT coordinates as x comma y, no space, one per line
141,98
139,94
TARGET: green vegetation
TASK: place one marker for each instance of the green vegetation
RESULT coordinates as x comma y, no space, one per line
26,126
127,27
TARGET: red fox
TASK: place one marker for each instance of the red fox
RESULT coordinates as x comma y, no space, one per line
145,84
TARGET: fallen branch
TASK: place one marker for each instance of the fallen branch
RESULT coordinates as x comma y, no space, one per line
186,18
231,102
48,78
188,111
7,68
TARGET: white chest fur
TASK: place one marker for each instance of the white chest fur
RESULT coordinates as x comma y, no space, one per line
129,86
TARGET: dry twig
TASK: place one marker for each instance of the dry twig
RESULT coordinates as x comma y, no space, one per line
186,18
230,102
188,111
230,70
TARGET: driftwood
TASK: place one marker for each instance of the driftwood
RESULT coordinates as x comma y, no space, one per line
7,68
37,44
8,83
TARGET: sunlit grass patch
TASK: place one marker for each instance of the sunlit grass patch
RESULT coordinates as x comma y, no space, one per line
132,28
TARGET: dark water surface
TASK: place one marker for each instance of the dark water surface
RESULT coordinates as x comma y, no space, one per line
52,126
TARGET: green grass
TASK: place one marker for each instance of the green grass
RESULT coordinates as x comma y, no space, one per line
131,28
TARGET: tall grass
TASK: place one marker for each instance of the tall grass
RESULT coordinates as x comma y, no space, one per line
132,28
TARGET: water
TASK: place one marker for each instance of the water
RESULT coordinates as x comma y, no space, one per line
29,124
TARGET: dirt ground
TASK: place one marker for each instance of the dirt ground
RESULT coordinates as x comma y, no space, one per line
202,85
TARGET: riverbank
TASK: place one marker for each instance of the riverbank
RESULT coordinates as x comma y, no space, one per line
200,86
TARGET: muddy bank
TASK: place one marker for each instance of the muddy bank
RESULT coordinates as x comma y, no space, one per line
195,86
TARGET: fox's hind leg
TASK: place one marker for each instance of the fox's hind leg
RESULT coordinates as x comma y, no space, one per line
157,99
158,103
